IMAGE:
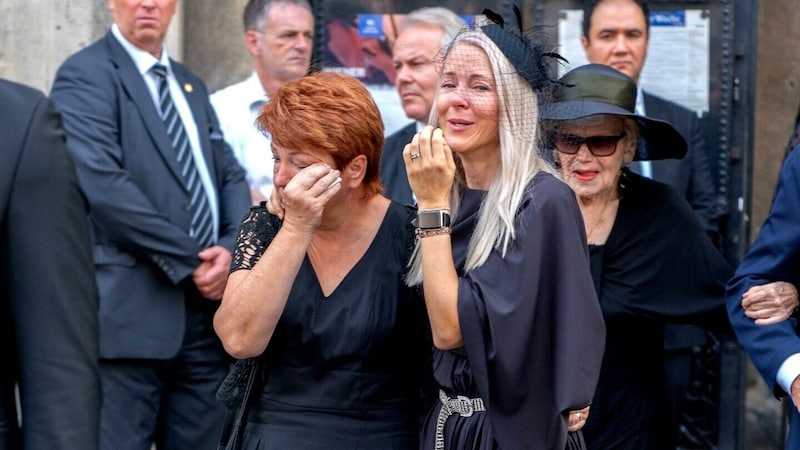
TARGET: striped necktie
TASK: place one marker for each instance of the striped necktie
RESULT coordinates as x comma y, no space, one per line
202,221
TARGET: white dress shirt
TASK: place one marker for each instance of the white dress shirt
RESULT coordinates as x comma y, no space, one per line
144,61
645,167
237,108
789,370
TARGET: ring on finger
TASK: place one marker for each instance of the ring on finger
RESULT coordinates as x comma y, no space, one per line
415,155
580,416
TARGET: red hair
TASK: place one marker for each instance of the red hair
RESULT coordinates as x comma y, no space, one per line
331,112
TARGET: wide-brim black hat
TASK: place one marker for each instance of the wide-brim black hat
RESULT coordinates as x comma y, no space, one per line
595,89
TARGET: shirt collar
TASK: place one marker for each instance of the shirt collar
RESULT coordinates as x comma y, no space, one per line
142,59
640,101
255,92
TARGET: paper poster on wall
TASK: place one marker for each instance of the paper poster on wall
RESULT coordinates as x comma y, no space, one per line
677,64
361,45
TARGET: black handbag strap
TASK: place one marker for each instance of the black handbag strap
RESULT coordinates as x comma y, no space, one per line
234,418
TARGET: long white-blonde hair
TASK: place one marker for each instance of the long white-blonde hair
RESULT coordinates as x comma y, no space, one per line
520,159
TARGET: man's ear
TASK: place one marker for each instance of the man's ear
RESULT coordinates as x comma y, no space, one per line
251,41
584,43
353,174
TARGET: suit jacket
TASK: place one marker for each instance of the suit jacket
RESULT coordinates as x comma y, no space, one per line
48,297
140,208
690,176
774,256
393,168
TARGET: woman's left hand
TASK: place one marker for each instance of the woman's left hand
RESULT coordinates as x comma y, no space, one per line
275,205
430,168
577,419
770,303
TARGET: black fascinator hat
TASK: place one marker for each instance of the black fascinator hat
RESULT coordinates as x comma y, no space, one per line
595,89
527,56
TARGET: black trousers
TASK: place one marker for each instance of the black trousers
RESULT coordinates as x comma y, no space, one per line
171,403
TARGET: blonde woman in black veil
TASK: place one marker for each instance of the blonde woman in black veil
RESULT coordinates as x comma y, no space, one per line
501,256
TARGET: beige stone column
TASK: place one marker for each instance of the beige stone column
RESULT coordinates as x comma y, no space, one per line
777,97
213,41
37,35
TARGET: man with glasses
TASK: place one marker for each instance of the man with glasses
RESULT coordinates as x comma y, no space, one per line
616,33
422,34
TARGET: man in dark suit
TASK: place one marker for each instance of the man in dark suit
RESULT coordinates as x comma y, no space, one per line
422,34
167,196
774,256
615,33
48,297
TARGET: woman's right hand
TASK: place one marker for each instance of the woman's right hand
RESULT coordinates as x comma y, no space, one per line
430,168
770,303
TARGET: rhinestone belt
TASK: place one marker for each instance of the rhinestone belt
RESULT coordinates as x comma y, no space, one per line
463,406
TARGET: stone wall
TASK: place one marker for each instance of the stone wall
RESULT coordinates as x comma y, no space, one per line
36,36
215,48
777,96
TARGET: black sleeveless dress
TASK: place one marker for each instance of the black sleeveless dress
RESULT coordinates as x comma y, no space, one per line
343,371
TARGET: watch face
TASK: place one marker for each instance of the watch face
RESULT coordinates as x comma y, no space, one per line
433,219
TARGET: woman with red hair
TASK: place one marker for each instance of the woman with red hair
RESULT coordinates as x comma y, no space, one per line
317,290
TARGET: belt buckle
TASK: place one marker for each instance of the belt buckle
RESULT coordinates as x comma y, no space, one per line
465,406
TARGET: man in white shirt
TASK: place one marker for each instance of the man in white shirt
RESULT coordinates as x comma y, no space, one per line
279,36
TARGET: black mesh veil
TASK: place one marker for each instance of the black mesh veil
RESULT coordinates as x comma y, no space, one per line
497,77
518,65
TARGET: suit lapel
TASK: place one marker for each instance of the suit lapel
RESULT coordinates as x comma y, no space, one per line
648,104
139,95
663,171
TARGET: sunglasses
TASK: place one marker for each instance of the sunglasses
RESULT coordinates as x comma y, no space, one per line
598,145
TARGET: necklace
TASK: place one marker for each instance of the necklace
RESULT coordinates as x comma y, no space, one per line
590,229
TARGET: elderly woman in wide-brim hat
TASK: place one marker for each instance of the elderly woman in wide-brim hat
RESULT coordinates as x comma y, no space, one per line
651,260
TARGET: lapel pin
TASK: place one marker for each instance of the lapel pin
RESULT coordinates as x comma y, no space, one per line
188,87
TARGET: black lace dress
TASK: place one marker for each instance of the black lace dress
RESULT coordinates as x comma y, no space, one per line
343,371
